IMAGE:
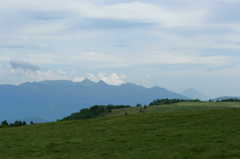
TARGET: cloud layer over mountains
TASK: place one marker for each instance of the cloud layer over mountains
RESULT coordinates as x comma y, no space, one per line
175,44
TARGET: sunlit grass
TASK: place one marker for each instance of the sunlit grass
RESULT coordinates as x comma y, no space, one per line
178,131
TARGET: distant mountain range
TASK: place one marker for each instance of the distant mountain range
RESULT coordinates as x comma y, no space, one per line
225,98
51,100
194,94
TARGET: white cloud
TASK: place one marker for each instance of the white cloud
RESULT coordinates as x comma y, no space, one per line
133,11
228,1
107,60
42,75
110,78
24,66
144,12
113,78
47,33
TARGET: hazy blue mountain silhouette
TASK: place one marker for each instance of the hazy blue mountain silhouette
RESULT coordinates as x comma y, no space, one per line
194,94
225,98
53,100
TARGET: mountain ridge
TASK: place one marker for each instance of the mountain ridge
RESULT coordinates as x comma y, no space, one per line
53,100
194,94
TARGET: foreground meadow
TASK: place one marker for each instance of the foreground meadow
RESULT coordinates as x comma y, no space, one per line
178,131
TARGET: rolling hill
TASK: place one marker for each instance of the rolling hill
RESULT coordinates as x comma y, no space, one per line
182,130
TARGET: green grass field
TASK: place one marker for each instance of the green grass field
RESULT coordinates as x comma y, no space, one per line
177,131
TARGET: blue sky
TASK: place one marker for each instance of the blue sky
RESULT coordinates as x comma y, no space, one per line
176,44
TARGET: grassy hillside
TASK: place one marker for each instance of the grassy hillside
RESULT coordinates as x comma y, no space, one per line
178,131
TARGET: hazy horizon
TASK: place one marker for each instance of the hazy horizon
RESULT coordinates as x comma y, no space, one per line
175,44
190,91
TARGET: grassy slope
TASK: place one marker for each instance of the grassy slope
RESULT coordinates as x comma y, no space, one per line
180,131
